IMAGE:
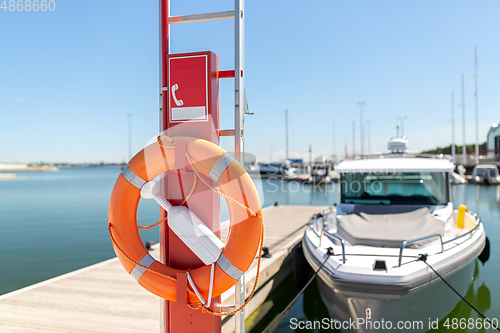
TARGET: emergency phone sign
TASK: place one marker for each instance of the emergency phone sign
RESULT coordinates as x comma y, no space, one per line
188,88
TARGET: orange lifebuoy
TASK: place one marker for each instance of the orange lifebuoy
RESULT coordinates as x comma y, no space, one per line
244,232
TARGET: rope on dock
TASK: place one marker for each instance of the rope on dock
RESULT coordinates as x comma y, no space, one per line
329,253
423,257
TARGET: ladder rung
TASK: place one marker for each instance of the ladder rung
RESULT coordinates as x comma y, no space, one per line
226,74
226,132
201,17
227,308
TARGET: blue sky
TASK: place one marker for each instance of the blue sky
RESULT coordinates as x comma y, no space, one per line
69,77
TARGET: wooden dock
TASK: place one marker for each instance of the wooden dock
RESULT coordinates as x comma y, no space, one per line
104,298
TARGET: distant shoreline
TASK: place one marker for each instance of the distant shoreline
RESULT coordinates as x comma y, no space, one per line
21,167
88,165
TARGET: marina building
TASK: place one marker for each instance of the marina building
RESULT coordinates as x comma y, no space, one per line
493,139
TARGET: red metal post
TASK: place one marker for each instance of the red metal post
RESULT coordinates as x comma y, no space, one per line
177,317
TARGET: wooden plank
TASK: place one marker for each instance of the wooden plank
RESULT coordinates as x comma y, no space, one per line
104,298
98,298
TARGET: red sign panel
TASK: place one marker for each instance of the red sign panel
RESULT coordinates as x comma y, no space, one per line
188,89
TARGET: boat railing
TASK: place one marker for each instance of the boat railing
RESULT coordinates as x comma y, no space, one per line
311,226
406,242
403,245
400,154
341,243
324,213
468,233
323,231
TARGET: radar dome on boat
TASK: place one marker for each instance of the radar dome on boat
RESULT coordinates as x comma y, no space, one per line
398,145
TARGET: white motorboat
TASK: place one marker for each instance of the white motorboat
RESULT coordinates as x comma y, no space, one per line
320,173
485,174
273,169
395,211
458,179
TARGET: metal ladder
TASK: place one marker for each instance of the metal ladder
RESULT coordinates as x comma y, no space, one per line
240,103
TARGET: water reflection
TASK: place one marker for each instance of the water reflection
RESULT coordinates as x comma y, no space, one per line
272,307
310,308
478,191
313,306
479,296
486,199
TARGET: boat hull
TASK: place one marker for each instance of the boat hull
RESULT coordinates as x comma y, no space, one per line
485,181
378,312
419,300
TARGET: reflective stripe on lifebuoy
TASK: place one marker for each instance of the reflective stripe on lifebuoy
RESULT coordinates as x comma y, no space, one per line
232,180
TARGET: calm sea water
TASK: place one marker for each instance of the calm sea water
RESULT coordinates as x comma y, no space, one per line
54,223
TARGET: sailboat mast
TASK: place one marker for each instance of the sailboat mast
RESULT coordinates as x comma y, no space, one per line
286,133
464,149
475,76
334,145
453,126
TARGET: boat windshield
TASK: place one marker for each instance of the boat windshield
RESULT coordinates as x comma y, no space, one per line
487,172
401,188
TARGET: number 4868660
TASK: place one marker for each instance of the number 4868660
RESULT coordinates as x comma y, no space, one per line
28,5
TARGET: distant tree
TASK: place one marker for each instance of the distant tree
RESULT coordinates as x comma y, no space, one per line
458,149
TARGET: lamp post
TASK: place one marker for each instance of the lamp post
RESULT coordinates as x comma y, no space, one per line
403,125
353,137
129,135
369,137
345,148
361,127
334,143
286,134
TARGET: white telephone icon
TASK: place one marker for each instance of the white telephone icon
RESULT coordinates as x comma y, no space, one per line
178,102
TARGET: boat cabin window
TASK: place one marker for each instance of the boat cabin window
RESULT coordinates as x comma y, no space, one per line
400,188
